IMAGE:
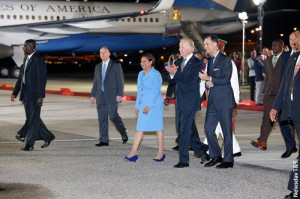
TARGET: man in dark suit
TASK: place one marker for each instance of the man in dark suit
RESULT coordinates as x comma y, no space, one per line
32,83
188,102
287,105
273,74
220,103
107,91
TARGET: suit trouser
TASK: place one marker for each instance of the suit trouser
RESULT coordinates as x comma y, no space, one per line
32,111
266,124
104,110
171,87
288,135
296,163
224,116
252,87
188,137
235,145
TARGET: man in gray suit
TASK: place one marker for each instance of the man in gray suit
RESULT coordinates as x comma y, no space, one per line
107,91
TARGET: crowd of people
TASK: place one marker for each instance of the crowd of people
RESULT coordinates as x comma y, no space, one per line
192,77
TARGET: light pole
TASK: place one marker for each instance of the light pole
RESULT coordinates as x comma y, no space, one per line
260,10
243,17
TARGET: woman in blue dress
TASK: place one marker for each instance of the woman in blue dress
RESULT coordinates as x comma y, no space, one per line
148,108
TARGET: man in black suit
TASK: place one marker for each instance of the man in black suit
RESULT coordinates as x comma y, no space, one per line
107,92
32,83
220,103
188,102
287,105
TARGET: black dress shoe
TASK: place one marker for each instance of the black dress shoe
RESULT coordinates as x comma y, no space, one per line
124,138
20,138
225,165
28,148
46,144
292,196
175,148
214,161
289,152
239,154
203,157
181,165
101,144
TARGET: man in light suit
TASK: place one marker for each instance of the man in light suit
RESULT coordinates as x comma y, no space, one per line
32,83
220,103
107,92
287,105
188,102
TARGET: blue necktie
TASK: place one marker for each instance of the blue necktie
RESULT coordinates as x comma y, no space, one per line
103,76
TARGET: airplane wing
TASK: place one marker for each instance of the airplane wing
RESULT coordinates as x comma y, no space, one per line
41,31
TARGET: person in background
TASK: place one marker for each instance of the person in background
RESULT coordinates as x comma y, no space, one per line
107,92
264,54
259,79
238,63
270,53
251,80
148,108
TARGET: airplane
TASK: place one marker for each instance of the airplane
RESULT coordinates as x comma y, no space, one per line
82,27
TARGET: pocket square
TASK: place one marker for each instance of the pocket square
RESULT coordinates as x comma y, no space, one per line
215,69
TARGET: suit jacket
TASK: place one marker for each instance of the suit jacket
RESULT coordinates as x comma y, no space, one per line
283,99
113,83
221,94
187,81
273,76
35,78
285,58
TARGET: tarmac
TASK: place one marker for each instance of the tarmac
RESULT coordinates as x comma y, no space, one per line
72,167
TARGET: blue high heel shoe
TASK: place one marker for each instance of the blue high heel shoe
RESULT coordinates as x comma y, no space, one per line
132,159
161,159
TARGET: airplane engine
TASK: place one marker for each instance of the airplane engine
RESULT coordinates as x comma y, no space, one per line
6,51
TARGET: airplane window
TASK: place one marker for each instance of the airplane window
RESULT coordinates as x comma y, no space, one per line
21,17
57,18
15,17
27,17
52,18
40,17
157,20
134,19
128,19
151,20
123,20
33,17
8,16
46,17
64,17
146,19
2,16
140,19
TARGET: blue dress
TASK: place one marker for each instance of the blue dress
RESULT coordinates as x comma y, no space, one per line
149,94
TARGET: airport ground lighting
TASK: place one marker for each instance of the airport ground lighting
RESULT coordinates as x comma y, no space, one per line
243,17
260,16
